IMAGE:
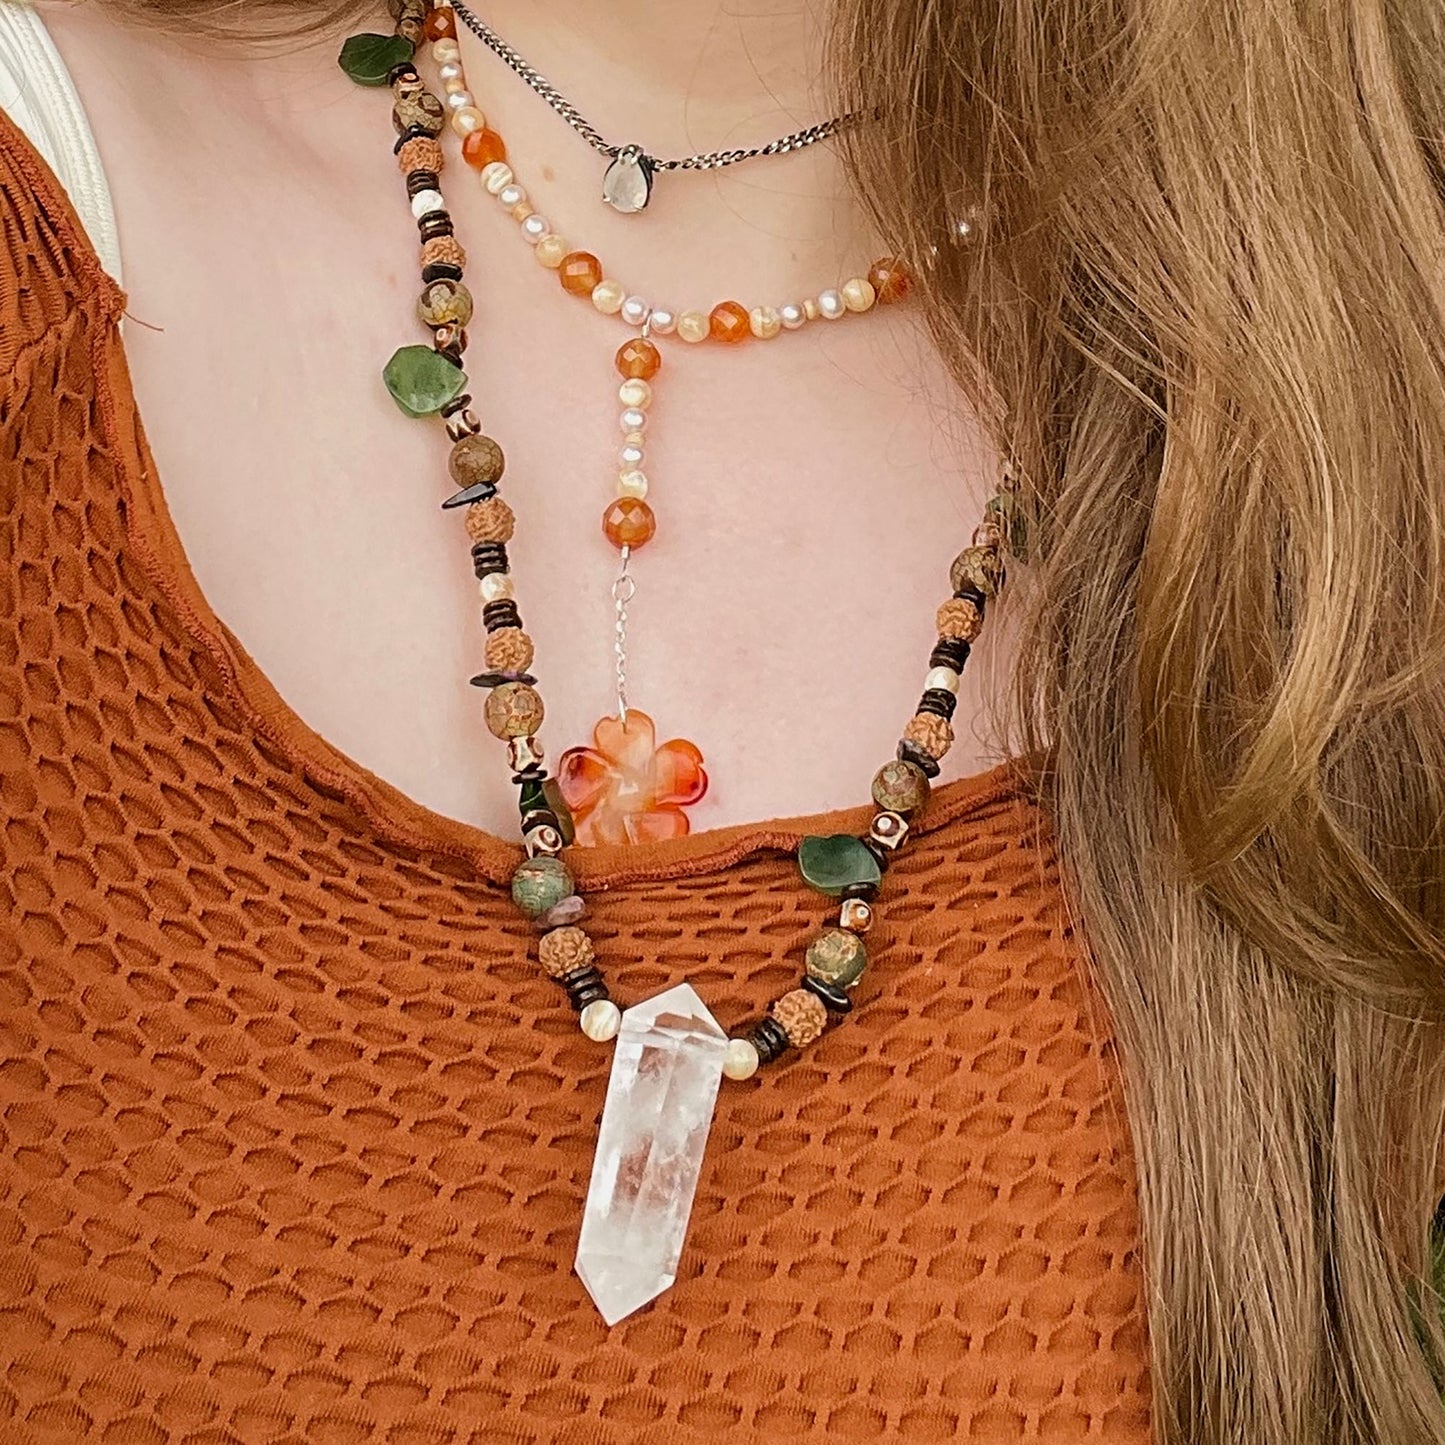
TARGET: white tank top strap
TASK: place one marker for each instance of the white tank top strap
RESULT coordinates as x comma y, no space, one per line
38,94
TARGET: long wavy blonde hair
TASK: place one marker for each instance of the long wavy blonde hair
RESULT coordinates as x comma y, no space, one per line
1188,258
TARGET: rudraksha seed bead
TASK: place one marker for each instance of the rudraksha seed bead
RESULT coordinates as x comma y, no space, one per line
514,710
836,956
910,752
489,557
834,999
769,1038
949,652
444,248
802,1016
420,153
491,521
509,650
476,459
565,950
540,884
901,787
500,614
940,701
584,986
930,732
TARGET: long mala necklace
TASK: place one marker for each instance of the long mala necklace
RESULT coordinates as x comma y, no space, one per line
670,1054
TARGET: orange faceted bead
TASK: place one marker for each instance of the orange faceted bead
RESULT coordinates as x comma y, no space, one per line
580,273
481,147
890,279
629,522
729,322
440,25
639,359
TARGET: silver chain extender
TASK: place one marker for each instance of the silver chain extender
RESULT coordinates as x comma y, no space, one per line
624,589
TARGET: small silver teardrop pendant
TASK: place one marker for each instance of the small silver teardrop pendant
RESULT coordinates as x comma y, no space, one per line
627,186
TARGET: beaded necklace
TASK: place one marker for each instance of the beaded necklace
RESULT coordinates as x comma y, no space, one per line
670,1054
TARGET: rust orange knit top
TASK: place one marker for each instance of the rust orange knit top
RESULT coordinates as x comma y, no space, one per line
296,1137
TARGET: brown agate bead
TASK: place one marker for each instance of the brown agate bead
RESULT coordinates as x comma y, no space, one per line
729,323
563,950
889,279
421,110
482,147
445,303
931,733
476,459
639,359
580,273
960,619
900,787
490,521
629,522
508,649
514,710
978,567
801,1015
440,25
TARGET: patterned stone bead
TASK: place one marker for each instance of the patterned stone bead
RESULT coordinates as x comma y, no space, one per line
900,787
420,110
476,459
445,303
836,956
421,153
490,521
514,710
540,884
564,949
801,1015
931,733
509,649
960,618
978,567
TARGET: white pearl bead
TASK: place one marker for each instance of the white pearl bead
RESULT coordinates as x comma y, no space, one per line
535,227
663,321
830,304
791,315
444,52
632,483
601,1020
944,677
608,296
633,418
466,120
461,100
424,202
451,70
740,1059
634,392
631,457
635,311
496,587
512,195
496,177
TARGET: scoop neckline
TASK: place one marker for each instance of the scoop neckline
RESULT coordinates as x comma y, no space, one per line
394,815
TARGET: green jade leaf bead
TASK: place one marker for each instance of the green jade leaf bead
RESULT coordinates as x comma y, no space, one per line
369,59
837,957
422,381
540,884
836,863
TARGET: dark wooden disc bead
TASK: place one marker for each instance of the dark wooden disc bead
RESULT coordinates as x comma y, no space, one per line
584,986
939,701
866,891
910,752
972,594
490,680
949,652
769,1038
835,999
419,181
412,132
489,557
497,615
441,271
434,225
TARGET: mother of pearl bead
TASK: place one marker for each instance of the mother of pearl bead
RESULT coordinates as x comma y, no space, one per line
740,1059
601,1020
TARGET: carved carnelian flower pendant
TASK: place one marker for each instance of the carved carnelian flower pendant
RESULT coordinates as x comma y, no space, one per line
627,789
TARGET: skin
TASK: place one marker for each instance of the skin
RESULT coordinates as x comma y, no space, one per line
811,491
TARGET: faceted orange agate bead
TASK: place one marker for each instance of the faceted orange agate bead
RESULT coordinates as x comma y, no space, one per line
890,279
729,322
629,522
440,25
580,273
482,147
639,359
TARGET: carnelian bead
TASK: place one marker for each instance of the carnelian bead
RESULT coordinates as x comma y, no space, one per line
729,322
580,273
482,147
440,25
639,359
890,279
629,522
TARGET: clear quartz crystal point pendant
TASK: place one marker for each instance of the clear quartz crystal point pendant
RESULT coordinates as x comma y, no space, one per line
660,1098
627,186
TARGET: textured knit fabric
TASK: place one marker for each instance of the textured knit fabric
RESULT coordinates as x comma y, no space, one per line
296,1135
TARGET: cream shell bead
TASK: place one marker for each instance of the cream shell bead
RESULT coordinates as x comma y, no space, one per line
764,322
608,296
446,52
551,249
942,677
466,120
496,177
601,1020
858,294
740,1059
693,326
632,483
811,309
634,392
496,587
425,202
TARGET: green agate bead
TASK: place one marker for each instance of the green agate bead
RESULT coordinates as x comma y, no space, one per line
836,957
422,381
836,863
370,59
541,884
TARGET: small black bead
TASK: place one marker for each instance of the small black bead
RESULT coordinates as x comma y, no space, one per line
834,999
534,773
949,652
412,132
500,679
456,404
441,271
939,701
419,181
972,594
910,752
769,1038
405,71
866,891
434,225
481,492
539,817
496,615
882,854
